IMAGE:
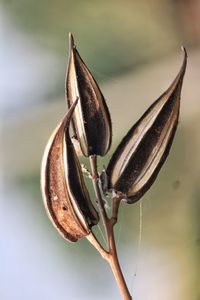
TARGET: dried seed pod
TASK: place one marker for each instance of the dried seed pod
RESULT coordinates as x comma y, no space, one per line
139,157
91,119
64,192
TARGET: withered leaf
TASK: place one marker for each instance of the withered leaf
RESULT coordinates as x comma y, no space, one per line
64,192
91,119
139,157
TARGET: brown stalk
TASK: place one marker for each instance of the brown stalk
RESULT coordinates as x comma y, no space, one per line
110,255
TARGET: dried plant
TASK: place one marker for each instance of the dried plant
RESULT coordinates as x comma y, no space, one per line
131,171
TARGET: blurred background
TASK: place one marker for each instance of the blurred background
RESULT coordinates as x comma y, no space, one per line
133,49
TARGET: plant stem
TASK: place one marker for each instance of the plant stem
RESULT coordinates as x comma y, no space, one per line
93,240
115,266
95,181
111,255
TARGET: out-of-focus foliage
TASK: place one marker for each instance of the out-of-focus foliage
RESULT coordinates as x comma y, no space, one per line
114,37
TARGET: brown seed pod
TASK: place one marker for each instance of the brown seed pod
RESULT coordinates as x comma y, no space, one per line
91,119
139,157
64,192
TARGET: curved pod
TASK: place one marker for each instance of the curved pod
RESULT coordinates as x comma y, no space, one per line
91,120
139,157
64,192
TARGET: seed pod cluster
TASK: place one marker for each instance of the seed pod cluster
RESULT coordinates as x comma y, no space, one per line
134,164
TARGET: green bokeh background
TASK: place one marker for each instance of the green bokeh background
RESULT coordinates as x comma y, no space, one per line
133,50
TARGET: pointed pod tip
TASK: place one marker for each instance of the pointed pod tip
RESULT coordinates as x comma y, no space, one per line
181,73
70,111
184,50
184,64
72,107
71,41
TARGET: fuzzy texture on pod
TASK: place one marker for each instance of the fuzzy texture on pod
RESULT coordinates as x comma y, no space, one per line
64,192
140,155
91,120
